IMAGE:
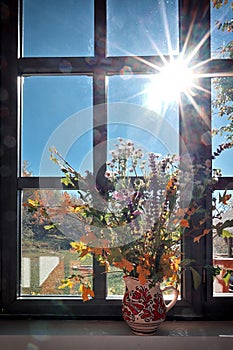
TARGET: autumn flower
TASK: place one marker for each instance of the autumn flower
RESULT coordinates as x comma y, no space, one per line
138,221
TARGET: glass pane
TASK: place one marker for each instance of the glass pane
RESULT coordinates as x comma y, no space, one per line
223,249
222,115
115,283
46,255
136,27
221,29
58,28
141,110
134,113
56,112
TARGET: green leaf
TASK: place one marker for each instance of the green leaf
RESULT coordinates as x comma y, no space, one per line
186,262
196,277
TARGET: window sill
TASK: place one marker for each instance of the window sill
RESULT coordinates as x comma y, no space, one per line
78,334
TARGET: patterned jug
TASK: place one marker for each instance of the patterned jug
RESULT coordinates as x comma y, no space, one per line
143,306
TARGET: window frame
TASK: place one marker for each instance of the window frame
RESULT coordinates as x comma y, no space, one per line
195,303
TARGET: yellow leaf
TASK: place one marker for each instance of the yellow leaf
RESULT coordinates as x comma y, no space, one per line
33,203
69,284
78,246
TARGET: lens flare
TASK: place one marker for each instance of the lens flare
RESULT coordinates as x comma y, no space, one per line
175,78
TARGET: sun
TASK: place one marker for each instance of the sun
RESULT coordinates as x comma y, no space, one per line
166,86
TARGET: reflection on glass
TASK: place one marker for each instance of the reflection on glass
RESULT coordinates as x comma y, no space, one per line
46,257
58,28
221,29
56,113
136,27
223,250
222,113
138,113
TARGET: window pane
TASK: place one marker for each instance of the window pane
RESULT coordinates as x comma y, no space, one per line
221,29
56,113
46,257
223,250
134,113
58,28
152,123
115,283
222,114
136,27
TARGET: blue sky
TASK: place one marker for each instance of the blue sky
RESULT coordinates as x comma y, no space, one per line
218,37
56,107
145,27
59,109
47,33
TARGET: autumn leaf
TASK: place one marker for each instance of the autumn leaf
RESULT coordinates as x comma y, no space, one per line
67,283
78,246
67,181
184,223
124,264
224,198
226,277
226,234
142,274
102,252
32,203
197,239
205,232
49,227
86,291
175,264
84,252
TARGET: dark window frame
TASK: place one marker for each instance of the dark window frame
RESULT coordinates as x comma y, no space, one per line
194,304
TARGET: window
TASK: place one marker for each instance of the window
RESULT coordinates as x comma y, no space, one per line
76,76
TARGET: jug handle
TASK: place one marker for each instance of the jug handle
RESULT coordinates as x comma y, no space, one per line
175,297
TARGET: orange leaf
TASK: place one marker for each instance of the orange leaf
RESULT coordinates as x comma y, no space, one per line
184,223
124,264
205,232
86,291
142,274
84,252
226,198
197,239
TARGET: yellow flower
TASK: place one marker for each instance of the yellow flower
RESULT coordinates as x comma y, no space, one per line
78,208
